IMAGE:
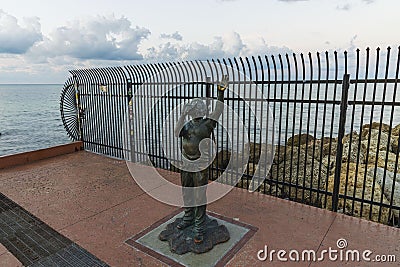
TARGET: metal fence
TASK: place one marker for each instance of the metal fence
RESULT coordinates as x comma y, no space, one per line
335,122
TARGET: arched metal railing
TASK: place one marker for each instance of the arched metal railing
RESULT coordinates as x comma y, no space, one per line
335,126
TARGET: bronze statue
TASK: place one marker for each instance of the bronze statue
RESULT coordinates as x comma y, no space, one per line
192,133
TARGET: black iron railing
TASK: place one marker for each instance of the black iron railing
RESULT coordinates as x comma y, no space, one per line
333,119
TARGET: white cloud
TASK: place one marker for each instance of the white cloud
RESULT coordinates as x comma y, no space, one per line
175,36
16,38
345,7
230,45
227,46
102,38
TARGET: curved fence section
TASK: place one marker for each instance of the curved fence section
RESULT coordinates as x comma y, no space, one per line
332,121
103,105
69,110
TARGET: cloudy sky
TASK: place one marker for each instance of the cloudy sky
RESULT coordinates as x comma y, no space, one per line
41,40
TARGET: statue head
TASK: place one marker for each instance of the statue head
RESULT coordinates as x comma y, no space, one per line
196,108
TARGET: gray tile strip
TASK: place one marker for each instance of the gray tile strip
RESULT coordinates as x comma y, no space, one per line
34,243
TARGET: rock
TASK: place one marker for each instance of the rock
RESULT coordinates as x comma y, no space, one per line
281,153
329,163
251,168
255,150
318,149
383,127
329,148
351,151
262,188
222,158
380,174
395,144
255,174
351,136
396,130
181,241
238,160
355,185
313,149
385,160
328,139
301,169
372,140
299,139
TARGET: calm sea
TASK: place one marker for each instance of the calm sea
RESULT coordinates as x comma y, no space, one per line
30,118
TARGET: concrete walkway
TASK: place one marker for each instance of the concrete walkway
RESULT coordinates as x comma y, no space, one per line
94,201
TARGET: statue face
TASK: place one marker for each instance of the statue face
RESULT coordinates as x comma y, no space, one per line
197,108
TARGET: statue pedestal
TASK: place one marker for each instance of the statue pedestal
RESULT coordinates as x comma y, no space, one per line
181,241
148,241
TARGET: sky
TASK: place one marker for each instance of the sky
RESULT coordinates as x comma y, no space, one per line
40,40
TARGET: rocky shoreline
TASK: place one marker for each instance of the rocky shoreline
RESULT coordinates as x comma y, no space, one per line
367,172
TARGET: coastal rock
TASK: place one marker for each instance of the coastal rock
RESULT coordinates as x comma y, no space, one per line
376,140
329,148
395,144
262,187
255,174
353,183
329,163
319,149
313,149
350,137
352,150
222,158
299,139
254,151
396,130
386,179
383,127
281,152
301,169
384,160
257,150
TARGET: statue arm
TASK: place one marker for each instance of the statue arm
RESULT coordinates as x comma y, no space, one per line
219,108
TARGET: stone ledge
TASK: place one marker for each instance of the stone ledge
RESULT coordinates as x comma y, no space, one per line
32,156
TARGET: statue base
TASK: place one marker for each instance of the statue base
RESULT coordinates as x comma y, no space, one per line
181,241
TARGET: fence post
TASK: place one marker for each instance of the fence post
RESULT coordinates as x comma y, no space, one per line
130,119
80,112
208,102
339,150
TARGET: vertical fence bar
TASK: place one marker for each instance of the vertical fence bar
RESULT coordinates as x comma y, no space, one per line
339,151
79,108
209,151
130,120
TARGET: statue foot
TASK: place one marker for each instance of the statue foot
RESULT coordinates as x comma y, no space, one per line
184,224
198,238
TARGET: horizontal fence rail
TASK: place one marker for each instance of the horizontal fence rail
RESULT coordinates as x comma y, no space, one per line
331,119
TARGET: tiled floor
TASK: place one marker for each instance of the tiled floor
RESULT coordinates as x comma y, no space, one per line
34,243
93,201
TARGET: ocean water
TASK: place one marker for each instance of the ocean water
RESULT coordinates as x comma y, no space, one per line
30,118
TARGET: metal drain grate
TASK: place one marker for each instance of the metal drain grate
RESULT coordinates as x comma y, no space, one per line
34,243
